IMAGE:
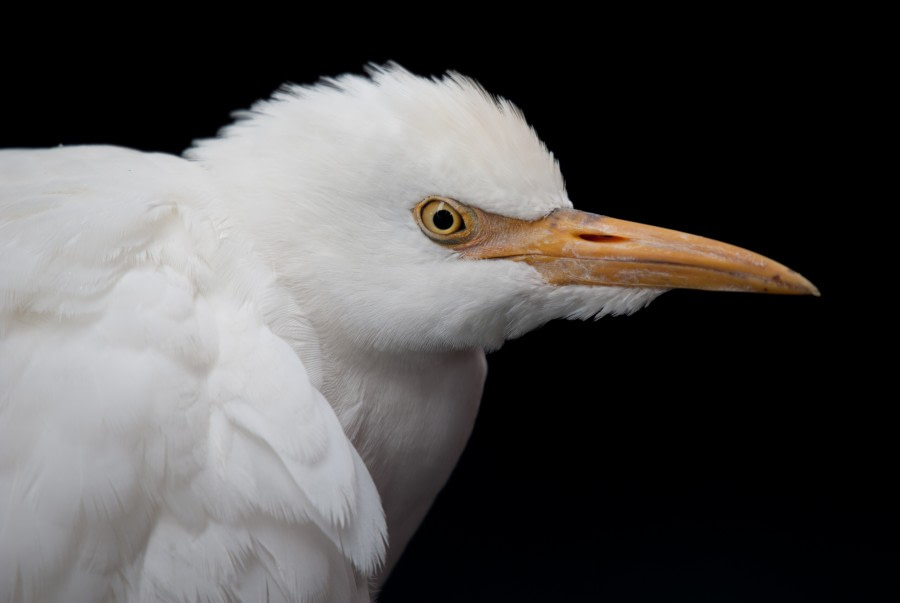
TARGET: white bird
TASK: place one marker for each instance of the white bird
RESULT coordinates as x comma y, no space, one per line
244,375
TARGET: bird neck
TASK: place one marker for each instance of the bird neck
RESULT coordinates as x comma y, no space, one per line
409,416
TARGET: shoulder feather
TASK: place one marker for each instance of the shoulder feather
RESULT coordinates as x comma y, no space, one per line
161,434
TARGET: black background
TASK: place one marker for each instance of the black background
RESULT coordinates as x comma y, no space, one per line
713,447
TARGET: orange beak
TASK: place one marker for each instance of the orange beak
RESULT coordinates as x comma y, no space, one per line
570,247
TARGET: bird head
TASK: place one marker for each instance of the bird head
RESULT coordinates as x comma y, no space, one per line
406,213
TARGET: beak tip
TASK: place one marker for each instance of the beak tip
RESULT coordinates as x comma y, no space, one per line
805,286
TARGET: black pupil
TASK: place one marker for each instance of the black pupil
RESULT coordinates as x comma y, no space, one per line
443,219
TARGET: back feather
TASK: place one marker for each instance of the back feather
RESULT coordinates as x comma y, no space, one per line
161,434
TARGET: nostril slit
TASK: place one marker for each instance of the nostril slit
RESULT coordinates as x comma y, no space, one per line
599,238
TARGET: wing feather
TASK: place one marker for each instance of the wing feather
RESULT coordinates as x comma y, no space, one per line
161,436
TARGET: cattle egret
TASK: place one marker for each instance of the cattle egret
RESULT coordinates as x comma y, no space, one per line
244,375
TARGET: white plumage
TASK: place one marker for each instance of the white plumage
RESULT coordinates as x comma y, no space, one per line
236,376
160,437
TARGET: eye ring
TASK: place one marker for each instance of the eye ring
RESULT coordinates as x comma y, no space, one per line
444,220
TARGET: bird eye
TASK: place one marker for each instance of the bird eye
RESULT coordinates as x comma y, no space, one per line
439,217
